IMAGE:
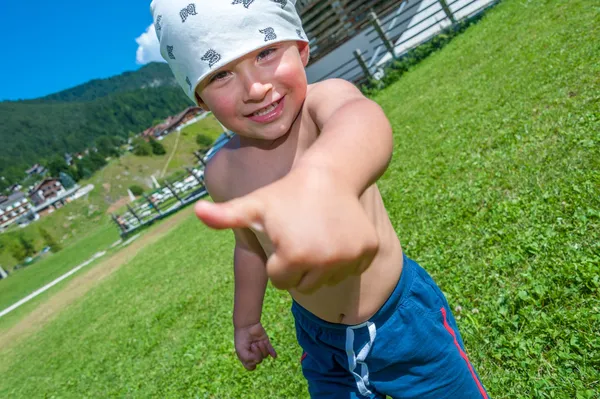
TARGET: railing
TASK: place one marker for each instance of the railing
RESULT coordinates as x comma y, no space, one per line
330,23
401,26
170,198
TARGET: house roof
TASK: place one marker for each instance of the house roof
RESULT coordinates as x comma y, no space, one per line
171,121
18,196
37,187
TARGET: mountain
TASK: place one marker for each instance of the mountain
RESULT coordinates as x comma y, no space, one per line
32,131
149,76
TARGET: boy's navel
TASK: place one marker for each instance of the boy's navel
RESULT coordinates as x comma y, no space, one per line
341,318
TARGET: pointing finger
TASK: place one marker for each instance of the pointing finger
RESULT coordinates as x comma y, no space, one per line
238,213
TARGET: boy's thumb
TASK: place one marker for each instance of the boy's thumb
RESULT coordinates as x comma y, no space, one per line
243,212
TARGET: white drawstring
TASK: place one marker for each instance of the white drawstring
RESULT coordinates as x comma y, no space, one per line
362,380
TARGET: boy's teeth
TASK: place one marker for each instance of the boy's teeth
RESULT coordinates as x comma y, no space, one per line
266,110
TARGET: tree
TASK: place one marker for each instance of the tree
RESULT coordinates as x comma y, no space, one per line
157,148
141,147
97,160
108,146
49,240
136,190
22,247
66,180
57,164
203,141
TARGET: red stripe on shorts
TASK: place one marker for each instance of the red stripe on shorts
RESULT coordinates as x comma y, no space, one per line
463,355
303,357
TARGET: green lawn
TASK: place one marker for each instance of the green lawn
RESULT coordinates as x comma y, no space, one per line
493,188
23,282
184,157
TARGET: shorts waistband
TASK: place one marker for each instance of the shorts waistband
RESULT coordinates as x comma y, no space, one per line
409,269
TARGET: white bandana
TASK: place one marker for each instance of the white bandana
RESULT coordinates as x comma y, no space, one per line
198,37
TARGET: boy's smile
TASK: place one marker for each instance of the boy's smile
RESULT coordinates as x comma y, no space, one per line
269,113
259,95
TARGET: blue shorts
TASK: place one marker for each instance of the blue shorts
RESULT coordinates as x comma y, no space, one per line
410,348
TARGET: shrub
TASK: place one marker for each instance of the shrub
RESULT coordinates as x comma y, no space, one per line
157,148
203,141
141,147
49,240
136,190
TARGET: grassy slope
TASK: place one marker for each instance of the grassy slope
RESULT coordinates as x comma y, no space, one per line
493,188
23,282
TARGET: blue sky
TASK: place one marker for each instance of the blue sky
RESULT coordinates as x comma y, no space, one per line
49,46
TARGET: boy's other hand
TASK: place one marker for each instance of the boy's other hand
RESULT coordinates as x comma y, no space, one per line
252,345
318,227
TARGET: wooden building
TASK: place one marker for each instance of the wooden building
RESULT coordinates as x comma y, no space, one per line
46,190
12,208
172,122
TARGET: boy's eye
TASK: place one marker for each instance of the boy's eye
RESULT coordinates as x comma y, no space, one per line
265,53
219,76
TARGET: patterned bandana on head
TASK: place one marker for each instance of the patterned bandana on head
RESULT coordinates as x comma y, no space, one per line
198,37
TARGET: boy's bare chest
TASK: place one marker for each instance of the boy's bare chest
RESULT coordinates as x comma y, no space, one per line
254,168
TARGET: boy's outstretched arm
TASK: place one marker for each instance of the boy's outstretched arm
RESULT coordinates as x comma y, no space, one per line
313,216
355,144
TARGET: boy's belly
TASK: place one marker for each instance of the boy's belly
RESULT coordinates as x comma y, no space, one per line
357,298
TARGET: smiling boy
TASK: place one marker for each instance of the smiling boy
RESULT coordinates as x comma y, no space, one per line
297,187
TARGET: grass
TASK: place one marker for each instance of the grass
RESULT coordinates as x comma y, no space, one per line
187,142
23,282
493,188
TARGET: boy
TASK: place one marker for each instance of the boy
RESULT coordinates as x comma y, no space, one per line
297,186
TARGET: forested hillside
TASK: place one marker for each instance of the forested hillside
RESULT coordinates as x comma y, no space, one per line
34,130
155,74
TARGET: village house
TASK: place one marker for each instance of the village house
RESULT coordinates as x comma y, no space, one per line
46,190
13,208
36,169
172,123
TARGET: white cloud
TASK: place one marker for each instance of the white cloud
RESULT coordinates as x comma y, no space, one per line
148,47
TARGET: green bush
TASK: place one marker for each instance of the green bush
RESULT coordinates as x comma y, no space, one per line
22,247
141,147
49,240
203,141
157,148
136,190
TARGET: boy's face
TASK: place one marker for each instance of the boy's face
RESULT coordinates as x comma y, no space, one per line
259,95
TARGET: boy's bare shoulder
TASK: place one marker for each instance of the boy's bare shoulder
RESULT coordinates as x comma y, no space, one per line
326,97
217,173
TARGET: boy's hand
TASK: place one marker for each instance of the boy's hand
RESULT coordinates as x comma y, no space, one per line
318,227
252,345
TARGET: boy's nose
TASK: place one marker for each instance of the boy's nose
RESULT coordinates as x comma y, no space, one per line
255,88
257,91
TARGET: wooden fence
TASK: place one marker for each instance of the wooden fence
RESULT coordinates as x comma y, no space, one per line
373,28
329,23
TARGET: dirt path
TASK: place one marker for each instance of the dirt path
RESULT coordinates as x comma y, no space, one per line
164,171
82,283
121,202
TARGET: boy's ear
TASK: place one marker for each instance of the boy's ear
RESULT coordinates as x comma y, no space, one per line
304,50
201,103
